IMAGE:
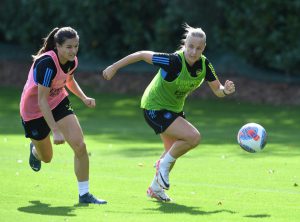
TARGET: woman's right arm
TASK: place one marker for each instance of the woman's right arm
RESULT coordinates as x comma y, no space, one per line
43,93
111,70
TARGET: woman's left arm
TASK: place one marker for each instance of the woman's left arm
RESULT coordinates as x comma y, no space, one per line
220,90
73,86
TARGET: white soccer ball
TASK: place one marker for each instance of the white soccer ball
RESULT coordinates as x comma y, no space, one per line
252,137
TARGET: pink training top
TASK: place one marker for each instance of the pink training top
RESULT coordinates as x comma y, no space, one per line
29,108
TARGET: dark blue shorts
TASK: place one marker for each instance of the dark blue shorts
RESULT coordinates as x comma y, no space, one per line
38,129
160,120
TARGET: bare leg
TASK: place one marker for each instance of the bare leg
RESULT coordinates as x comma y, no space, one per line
43,149
70,128
182,137
185,135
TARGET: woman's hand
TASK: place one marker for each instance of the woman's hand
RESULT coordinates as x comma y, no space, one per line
89,102
109,72
229,87
58,137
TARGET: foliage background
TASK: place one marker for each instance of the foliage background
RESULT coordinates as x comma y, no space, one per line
264,33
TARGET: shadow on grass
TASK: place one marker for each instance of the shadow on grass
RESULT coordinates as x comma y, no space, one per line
36,207
174,208
258,215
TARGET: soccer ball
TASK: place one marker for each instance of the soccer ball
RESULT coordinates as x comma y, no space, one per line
252,137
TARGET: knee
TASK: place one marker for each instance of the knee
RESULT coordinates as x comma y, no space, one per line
47,158
79,149
194,139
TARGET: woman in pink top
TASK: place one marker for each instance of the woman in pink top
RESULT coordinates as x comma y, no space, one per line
45,106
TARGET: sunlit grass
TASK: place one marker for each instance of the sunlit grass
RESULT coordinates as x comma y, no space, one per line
217,181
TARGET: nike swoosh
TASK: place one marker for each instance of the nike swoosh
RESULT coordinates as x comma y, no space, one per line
166,185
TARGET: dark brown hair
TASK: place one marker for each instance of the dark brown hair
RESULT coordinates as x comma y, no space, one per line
57,35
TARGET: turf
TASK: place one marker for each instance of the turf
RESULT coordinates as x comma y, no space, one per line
217,181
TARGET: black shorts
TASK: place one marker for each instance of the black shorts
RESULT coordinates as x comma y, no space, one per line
38,129
160,120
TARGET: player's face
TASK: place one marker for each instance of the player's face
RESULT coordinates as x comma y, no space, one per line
194,46
68,50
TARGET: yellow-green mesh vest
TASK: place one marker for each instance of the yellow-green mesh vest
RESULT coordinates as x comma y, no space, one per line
161,94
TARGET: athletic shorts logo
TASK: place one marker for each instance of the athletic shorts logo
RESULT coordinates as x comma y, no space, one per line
168,115
152,114
34,132
69,107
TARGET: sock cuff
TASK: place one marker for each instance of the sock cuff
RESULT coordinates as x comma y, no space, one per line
83,183
168,157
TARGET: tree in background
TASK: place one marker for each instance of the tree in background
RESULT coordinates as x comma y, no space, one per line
265,33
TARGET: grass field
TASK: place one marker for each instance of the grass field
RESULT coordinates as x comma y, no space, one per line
217,181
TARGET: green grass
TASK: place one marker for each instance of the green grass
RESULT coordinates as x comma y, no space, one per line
217,181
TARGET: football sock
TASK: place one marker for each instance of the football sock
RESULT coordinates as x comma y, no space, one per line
83,187
167,161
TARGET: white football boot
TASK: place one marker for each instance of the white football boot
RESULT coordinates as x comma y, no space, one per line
159,194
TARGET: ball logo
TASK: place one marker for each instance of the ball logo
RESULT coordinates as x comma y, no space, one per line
249,133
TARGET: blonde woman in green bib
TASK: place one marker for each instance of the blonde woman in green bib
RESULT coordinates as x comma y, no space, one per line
179,74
